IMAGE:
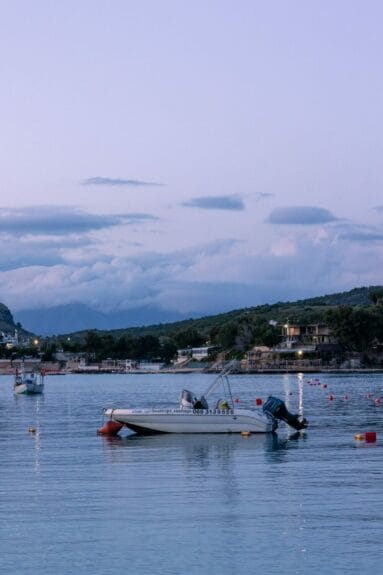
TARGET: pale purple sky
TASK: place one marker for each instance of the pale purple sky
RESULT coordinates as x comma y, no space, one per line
195,156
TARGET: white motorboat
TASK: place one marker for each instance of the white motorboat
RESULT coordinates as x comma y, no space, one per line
28,383
191,420
195,416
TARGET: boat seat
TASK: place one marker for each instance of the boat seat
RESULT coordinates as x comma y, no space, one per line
222,404
201,403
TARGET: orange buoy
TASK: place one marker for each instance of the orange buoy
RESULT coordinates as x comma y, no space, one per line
377,401
370,436
258,401
331,397
324,385
110,428
345,397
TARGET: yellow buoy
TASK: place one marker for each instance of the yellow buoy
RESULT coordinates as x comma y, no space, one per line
245,433
359,436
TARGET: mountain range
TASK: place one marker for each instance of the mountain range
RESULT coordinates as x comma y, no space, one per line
79,317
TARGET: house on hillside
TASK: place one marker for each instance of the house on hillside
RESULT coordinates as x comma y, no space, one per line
9,340
198,353
301,347
313,334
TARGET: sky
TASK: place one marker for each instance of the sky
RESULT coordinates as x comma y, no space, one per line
191,156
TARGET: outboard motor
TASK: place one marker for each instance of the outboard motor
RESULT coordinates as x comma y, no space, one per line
187,399
275,407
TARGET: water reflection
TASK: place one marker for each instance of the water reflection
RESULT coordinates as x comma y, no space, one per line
300,393
289,389
24,401
243,504
188,441
200,449
277,452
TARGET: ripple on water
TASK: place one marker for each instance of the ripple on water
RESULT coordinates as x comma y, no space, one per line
297,503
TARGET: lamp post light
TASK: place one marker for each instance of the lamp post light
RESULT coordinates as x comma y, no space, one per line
287,330
300,355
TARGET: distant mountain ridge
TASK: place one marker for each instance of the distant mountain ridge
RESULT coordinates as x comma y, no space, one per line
73,318
7,323
79,317
6,319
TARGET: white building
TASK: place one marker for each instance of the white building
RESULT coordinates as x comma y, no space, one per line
198,353
10,340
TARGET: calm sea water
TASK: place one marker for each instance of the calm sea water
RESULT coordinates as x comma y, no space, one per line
74,502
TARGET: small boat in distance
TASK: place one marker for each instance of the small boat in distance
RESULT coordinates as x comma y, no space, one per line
194,415
28,383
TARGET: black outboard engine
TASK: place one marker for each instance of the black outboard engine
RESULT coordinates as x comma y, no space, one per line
276,408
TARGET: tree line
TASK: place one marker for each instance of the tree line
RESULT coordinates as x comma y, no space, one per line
234,336
357,328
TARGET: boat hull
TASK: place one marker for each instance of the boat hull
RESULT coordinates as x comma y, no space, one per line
28,389
192,421
28,383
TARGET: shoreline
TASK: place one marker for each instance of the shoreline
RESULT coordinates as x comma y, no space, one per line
185,371
213,371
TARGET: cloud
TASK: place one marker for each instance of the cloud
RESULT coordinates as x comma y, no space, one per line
60,220
98,181
283,247
30,250
136,218
264,196
26,260
129,281
302,215
231,274
361,234
234,203
108,273
49,250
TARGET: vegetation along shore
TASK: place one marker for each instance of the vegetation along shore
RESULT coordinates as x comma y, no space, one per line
338,332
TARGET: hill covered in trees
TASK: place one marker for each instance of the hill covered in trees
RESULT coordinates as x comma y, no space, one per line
355,318
6,319
8,324
312,310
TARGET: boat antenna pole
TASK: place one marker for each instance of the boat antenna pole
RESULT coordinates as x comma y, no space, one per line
221,378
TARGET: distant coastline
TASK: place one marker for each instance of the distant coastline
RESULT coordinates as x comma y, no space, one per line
48,369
